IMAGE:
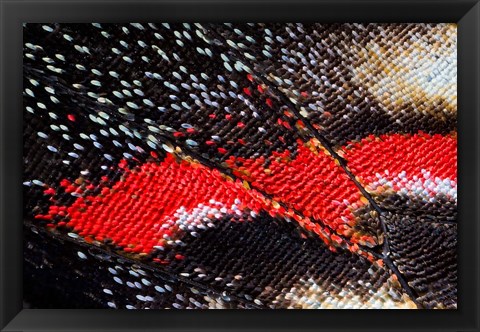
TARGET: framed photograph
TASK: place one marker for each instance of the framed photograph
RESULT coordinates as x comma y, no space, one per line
323,156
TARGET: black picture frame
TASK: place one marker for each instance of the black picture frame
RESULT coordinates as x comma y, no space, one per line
466,13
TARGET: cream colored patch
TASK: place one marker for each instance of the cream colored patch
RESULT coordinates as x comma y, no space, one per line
308,294
420,71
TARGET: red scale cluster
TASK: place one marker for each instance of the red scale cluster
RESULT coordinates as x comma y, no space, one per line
134,211
137,212
399,153
311,183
